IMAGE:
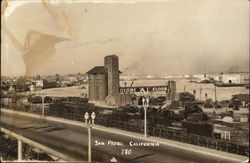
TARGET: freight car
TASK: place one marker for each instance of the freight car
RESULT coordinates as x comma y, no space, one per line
198,128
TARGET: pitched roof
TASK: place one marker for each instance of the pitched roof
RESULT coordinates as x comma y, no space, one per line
98,70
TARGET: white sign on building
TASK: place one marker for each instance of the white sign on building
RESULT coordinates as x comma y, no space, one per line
229,78
39,83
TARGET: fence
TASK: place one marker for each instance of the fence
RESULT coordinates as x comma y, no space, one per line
172,134
21,139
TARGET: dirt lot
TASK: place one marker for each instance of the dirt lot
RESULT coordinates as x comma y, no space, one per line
75,91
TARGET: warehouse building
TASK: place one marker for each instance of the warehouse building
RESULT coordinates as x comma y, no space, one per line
97,83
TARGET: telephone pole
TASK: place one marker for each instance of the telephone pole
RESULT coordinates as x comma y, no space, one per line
215,94
200,92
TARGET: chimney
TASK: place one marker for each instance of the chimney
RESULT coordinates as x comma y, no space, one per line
194,93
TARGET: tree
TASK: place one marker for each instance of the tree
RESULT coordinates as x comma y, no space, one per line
21,83
186,97
21,80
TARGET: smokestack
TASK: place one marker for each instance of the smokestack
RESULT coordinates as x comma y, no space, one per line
220,77
57,77
194,93
38,77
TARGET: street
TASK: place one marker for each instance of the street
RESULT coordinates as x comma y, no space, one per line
72,141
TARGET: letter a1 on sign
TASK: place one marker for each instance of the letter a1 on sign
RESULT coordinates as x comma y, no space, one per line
142,90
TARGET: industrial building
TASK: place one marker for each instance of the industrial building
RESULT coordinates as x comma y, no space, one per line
240,77
97,83
103,83
45,84
104,87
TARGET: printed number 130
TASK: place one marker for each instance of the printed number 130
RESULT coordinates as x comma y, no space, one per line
126,151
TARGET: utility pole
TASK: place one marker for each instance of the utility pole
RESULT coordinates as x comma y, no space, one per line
167,91
215,94
30,94
125,93
215,97
200,92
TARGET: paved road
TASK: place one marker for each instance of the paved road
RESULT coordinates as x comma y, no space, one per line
72,141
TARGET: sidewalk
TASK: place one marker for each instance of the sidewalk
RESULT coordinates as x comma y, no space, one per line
183,148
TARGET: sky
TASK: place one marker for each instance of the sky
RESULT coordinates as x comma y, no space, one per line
150,37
